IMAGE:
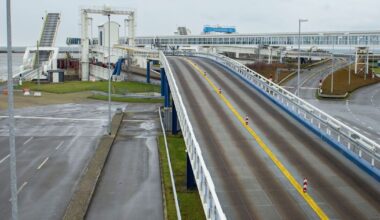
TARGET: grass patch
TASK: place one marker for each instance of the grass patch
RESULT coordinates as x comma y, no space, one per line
79,86
127,99
341,85
376,70
189,200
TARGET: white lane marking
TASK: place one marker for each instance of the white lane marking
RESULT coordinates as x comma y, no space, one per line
288,87
356,127
27,141
53,118
43,162
60,144
6,157
370,128
19,189
311,88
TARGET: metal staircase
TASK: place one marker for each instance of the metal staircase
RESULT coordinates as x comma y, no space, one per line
48,35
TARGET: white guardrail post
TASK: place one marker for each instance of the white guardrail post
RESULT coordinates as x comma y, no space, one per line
362,150
210,201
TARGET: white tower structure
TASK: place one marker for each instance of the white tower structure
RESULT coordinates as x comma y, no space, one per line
103,33
107,11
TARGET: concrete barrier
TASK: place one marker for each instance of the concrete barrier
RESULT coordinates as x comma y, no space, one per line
84,191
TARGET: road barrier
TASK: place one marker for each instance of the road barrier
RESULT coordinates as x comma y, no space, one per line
304,185
206,187
360,149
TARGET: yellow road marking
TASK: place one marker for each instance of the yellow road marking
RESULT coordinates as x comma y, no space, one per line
266,149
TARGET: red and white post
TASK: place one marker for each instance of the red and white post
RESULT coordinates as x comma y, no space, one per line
304,185
246,120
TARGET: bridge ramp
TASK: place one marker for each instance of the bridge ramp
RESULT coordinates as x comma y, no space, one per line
247,182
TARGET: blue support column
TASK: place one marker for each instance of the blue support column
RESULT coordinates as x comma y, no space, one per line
167,93
162,77
148,71
190,179
174,119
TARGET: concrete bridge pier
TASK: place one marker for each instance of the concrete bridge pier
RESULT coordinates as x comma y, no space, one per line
174,119
148,71
166,93
162,78
190,179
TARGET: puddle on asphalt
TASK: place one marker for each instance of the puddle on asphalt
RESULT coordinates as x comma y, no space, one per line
147,125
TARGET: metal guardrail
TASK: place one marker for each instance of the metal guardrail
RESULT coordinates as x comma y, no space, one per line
170,168
210,201
364,150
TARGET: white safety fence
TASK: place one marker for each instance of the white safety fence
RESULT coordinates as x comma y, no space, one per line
99,72
361,148
210,201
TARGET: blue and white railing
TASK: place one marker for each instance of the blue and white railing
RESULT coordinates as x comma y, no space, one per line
360,149
210,201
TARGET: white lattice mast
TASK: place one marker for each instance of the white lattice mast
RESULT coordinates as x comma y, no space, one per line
105,10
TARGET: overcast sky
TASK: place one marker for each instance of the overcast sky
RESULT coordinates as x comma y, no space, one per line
161,17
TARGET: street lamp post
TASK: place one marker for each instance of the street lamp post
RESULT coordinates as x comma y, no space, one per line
332,65
350,58
299,55
92,36
11,120
125,31
109,74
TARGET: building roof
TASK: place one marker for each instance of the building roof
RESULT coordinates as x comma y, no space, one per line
114,22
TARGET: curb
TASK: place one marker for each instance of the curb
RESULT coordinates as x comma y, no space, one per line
162,181
84,190
333,96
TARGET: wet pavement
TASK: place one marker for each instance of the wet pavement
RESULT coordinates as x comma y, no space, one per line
130,186
53,145
360,111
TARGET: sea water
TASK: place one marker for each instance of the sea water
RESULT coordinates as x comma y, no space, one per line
16,63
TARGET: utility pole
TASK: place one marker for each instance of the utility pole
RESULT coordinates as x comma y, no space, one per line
11,120
38,65
299,55
109,74
349,66
332,68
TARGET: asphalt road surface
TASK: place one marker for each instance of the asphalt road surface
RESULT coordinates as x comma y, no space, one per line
361,110
130,186
247,182
309,79
53,145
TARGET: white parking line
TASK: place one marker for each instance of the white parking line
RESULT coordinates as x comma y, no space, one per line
59,145
43,162
27,141
6,157
22,187
19,189
53,118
